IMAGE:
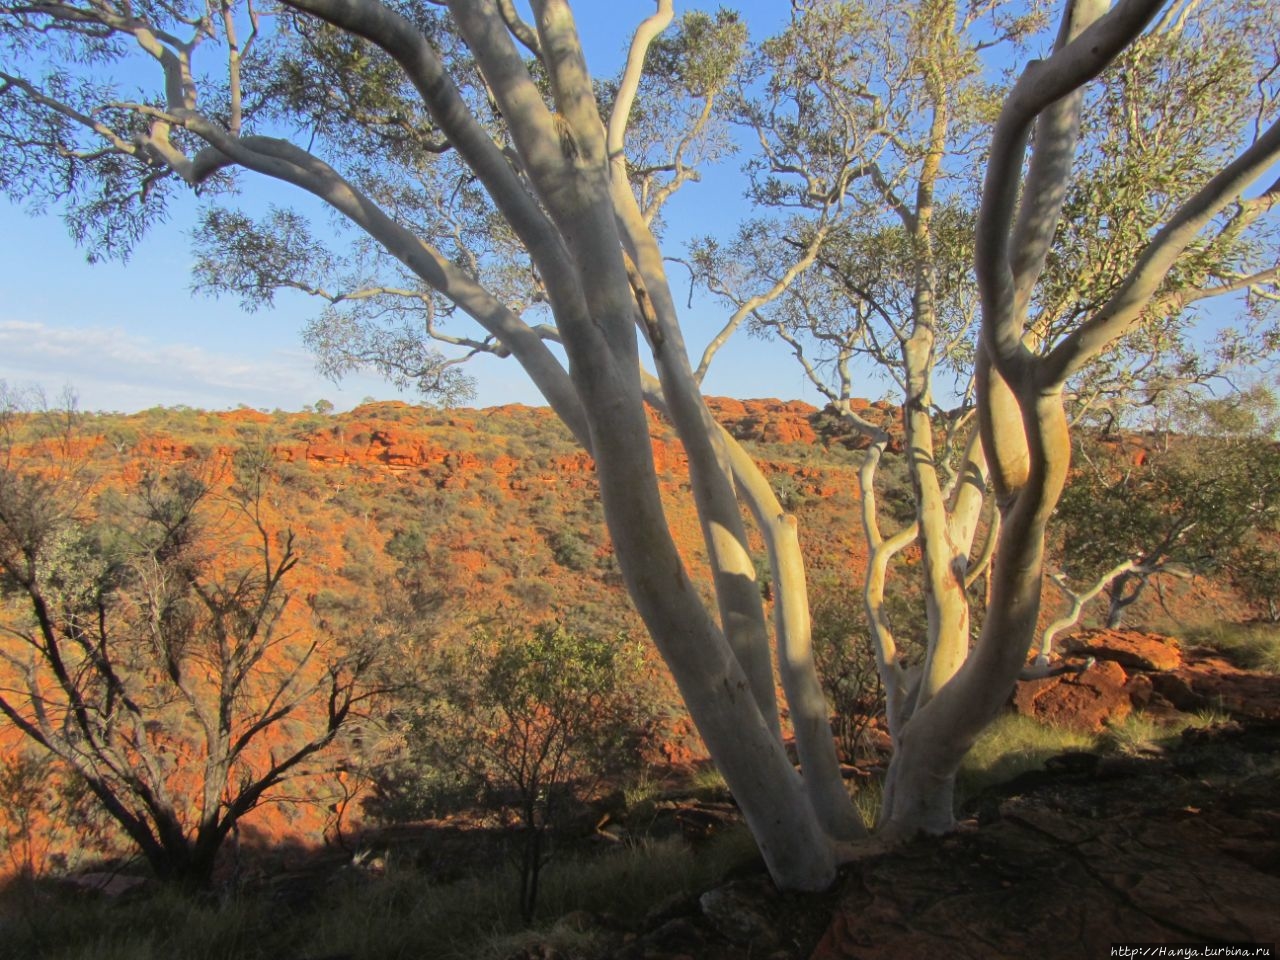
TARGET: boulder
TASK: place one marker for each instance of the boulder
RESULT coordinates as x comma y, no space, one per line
1210,683
734,915
1131,649
1080,701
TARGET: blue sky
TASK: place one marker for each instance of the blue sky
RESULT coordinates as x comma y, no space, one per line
127,337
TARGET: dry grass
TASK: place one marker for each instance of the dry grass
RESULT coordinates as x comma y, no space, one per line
1252,646
400,914
1014,744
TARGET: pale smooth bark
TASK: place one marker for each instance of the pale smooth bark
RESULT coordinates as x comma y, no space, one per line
568,165
1023,424
605,278
1076,602
810,717
732,568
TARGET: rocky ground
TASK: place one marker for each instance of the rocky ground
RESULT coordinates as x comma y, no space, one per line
1179,848
1164,844
1095,850
1137,671
1170,843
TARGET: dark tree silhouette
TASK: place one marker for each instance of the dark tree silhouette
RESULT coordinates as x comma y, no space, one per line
147,643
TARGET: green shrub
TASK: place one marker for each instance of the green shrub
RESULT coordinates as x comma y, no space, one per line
1255,570
847,667
530,724
532,594
571,550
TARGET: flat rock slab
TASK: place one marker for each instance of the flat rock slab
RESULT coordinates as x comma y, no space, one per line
1077,865
1131,649
1210,683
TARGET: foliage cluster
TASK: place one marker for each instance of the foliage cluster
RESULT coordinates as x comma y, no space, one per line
530,723
1201,497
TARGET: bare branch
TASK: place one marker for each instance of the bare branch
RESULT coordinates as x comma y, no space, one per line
752,304
1045,190
1040,85
1077,601
519,29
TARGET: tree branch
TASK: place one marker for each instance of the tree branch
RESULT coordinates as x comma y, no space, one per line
1141,283
620,115
1040,85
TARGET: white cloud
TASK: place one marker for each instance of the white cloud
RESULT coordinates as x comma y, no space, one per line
110,368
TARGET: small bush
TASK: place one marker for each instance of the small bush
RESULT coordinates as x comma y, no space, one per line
847,667
529,724
571,550
49,820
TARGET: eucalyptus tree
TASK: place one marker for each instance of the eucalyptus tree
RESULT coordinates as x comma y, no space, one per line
489,175
861,259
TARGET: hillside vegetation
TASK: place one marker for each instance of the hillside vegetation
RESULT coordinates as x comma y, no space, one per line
427,543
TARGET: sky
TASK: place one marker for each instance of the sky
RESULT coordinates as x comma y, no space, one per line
130,336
